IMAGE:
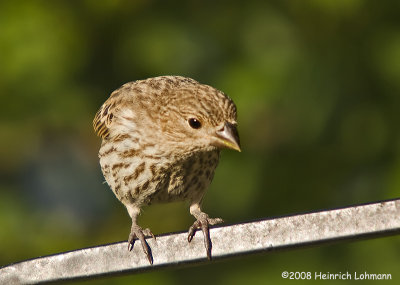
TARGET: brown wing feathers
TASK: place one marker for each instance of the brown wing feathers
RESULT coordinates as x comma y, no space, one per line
102,121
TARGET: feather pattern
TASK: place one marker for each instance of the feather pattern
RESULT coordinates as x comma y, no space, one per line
103,119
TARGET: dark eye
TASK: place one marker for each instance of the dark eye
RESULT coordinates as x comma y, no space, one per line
194,123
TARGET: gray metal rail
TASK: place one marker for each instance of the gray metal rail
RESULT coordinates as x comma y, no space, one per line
370,220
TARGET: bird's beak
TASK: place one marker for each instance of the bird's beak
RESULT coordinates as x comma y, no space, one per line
228,137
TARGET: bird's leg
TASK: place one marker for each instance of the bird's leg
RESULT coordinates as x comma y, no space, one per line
140,234
202,222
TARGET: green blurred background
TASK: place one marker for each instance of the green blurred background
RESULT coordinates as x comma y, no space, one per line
316,84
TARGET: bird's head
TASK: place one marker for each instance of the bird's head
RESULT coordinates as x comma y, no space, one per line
171,115
199,116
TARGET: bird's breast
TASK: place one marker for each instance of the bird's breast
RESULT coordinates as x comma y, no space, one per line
138,178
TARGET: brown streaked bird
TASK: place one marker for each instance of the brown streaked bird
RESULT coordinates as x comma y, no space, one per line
161,140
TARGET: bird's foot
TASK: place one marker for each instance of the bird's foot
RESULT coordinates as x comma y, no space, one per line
140,234
203,223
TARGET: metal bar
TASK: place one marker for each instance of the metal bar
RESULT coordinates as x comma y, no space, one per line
370,220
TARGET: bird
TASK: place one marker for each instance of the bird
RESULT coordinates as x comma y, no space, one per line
161,142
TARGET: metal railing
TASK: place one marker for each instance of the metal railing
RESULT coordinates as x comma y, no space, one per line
361,221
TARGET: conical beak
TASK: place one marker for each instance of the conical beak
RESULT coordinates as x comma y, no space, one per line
228,137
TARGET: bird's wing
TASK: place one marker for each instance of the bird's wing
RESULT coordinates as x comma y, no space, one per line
103,119
117,107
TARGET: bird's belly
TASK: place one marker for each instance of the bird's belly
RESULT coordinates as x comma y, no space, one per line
138,181
187,180
179,189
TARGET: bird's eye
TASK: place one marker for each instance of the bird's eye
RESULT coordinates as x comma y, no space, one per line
194,123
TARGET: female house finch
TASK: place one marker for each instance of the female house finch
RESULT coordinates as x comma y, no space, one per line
161,139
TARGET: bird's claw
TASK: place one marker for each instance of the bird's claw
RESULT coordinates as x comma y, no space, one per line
138,233
203,223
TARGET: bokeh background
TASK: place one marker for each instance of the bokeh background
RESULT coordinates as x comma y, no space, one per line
317,88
